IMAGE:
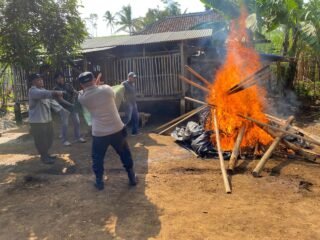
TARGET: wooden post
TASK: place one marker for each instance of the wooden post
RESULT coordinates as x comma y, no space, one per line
235,152
223,169
267,154
183,86
85,64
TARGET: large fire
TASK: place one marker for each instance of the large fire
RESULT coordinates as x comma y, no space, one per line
241,61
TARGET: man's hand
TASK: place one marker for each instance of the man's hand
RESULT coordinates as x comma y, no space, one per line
57,94
98,80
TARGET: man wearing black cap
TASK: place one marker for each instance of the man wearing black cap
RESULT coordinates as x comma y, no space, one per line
130,105
68,101
40,119
107,127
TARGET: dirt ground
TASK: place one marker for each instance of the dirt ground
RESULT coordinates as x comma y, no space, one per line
178,196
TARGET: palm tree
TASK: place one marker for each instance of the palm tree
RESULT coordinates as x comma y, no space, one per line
110,20
93,21
128,24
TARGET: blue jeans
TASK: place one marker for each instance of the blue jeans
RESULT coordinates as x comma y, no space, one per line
99,148
65,122
132,114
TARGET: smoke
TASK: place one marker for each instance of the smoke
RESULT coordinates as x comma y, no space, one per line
281,102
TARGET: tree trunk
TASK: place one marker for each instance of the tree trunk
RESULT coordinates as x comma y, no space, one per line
285,45
290,76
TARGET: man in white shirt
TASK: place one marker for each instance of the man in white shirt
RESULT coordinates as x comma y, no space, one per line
107,127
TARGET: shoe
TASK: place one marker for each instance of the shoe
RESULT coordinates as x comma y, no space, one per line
135,134
52,157
132,177
47,160
66,143
99,185
81,140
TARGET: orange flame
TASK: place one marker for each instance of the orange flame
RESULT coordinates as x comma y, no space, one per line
241,61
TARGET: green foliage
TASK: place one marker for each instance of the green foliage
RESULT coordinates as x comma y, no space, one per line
172,8
127,23
39,31
110,20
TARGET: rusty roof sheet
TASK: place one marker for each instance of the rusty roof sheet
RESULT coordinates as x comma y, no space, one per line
103,43
181,22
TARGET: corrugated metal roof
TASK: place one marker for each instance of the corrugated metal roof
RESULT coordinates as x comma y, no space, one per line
181,22
103,43
95,49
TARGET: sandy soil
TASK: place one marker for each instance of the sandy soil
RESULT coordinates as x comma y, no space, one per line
178,196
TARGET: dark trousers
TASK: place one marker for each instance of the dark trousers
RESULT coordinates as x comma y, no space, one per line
132,114
43,137
99,148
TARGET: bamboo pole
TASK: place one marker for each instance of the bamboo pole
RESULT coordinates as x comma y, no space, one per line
195,100
223,169
279,129
267,154
249,78
197,75
307,154
281,122
176,119
183,119
236,150
193,83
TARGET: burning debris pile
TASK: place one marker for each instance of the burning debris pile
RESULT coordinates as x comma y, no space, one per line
236,103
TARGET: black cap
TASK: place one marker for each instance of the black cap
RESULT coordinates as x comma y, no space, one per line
34,76
85,77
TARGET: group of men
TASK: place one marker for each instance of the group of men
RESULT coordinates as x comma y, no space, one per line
99,100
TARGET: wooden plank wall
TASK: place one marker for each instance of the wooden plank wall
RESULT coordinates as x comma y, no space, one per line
157,75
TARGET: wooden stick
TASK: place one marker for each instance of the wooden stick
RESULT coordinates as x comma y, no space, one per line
249,77
236,150
307,154
256,150
281,122
195,100
176,119
185,118
267,154
279,129
223,169
193,84
197,75
244,86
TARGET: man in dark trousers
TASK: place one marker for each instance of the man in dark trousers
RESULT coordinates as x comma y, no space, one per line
130,104
40,104
107,127
68,101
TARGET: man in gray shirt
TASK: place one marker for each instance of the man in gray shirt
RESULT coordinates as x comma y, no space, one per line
40,104
107,127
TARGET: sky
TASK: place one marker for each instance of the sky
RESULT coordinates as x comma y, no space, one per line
139,8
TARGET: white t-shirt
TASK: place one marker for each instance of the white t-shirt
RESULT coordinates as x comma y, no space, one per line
100,102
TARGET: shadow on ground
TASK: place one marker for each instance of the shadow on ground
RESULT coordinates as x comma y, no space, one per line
59,201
